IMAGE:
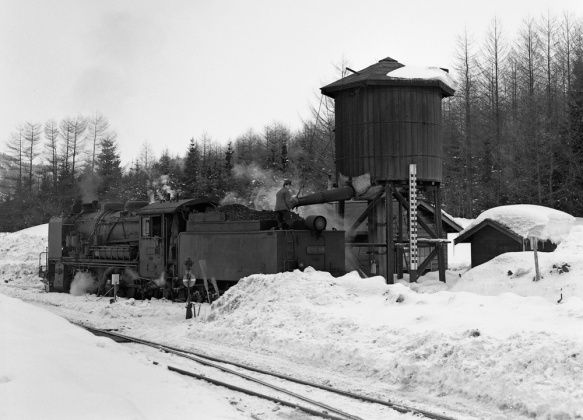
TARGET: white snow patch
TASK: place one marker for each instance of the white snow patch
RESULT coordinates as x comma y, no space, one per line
50,369
498,343
528,220
426,73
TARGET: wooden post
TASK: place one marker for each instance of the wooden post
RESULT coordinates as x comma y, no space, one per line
372,238
115,282
188,283
438,232
400,240
389,233
534,246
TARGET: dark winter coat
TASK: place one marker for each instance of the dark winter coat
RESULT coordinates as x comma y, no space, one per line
283,200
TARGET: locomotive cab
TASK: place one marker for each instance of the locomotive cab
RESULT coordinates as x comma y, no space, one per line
161,223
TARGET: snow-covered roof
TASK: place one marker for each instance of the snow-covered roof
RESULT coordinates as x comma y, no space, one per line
424,73
385,73
529,220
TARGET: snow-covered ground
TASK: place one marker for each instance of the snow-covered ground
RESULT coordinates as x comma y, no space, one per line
486,344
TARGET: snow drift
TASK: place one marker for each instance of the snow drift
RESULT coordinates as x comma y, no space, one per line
493,341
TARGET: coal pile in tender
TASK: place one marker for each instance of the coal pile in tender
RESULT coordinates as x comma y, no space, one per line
239,212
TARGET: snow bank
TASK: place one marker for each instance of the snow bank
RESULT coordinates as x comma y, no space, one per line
40,231
514,272
528,220
441,343
427,73
51,369
19,255
491,339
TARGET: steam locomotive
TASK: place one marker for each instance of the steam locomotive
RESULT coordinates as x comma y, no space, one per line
144,247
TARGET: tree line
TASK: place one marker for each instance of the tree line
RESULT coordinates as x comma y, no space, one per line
50,166
513,133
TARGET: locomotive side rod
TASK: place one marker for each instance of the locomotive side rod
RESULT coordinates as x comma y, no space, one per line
180,352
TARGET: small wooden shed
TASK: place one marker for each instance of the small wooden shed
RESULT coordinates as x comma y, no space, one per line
490,239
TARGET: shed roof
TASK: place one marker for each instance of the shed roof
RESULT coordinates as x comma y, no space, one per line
467,235
445,219
174,206
376,74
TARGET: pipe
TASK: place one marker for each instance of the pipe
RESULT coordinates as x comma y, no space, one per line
336,194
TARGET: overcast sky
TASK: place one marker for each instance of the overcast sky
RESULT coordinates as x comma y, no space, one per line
167,71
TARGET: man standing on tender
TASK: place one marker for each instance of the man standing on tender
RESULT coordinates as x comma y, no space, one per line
283,206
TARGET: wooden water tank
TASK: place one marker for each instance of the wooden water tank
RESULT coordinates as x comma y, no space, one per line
383,124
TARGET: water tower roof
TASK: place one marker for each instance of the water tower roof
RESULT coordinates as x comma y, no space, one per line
379,74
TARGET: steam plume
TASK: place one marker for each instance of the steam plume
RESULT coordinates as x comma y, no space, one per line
83,283
160,281
264,185
161,189
89,185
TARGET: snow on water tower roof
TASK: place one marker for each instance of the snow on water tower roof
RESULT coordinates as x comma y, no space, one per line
424,73
529,220
383,74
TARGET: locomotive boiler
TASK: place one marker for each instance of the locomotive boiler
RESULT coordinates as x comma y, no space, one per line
146,244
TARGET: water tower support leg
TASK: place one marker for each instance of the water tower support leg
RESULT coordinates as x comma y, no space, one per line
399,250
390,255
438,231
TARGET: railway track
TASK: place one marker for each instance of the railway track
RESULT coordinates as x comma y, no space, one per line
245,372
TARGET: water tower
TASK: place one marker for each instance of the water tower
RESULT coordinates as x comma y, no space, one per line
389,147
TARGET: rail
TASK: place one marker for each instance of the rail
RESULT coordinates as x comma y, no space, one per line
207,360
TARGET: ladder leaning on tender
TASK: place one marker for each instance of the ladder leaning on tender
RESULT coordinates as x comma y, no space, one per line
290,251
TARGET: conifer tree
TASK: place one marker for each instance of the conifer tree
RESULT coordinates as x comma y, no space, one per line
190,171
134,183
108,169
167,174
229,157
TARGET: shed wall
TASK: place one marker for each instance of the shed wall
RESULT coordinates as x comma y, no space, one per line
488,243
